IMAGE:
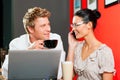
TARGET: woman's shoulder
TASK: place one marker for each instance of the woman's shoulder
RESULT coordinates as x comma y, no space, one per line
105,50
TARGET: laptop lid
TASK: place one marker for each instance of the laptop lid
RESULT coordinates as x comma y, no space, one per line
33,64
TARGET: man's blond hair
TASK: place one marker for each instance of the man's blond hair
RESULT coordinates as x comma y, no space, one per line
32,14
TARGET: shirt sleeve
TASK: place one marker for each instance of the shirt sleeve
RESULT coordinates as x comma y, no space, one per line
106,61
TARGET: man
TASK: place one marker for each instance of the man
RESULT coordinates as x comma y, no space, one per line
37,25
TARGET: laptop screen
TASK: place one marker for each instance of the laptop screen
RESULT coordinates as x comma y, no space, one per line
33,64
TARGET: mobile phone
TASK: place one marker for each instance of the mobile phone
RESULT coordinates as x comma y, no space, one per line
73,33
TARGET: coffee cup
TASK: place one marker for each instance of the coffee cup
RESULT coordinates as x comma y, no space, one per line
50,43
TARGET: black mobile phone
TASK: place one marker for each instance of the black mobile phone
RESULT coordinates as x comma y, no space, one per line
73,33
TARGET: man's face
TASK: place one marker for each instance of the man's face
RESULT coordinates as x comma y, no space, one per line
41,30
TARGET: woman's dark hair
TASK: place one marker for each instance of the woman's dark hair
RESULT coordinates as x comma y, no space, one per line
89,15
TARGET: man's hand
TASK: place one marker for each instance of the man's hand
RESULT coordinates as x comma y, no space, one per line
39,44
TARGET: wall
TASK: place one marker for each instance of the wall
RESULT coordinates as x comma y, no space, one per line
6,22
108,29
1,29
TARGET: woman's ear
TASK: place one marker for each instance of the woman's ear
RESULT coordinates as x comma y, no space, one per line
89,25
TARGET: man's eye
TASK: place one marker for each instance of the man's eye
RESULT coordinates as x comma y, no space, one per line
42,26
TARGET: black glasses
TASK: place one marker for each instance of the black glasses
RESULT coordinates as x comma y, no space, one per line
77,24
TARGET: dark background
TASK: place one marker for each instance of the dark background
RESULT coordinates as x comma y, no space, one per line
1,22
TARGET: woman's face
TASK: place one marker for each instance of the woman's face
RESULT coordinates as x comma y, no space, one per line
79,27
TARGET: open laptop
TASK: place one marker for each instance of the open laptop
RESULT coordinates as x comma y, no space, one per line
33,64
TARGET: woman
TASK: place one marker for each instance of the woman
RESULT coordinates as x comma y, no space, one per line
93,60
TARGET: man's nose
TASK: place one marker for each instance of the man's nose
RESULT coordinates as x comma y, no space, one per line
48,28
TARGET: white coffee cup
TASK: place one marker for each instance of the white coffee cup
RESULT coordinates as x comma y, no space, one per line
67,69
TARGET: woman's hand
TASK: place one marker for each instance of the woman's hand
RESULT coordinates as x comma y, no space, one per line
71,40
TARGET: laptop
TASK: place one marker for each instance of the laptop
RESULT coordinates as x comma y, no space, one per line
33,64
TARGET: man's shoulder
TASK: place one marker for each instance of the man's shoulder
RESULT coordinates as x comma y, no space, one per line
54,35
20,38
